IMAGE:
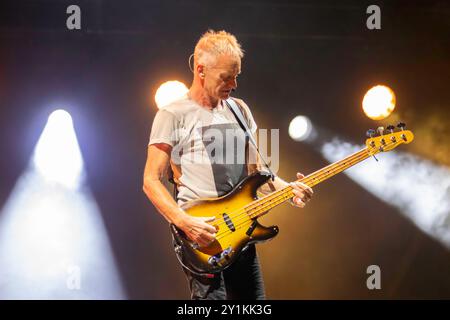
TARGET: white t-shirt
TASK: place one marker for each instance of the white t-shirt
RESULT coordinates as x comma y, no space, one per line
210,153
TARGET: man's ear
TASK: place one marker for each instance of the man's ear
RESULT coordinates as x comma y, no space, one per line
200,69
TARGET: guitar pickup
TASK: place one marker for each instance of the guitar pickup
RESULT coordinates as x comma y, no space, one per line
251,228
228,222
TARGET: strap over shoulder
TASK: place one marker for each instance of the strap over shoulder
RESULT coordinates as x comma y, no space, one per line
237,111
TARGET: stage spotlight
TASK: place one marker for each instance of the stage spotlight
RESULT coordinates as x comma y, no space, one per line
169,91
57,155
53,244
418,188
300,128
379,102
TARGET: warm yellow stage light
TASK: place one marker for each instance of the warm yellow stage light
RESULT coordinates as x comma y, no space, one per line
169,91
379,102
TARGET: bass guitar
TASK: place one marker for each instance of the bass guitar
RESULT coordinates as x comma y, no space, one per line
236,213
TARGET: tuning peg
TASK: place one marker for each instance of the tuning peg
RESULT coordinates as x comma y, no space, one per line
380,131
401,125
390,128
370,133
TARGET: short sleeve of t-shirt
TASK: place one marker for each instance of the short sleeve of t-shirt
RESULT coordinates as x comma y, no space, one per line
165,128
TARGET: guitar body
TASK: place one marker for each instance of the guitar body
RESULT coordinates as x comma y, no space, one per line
236,229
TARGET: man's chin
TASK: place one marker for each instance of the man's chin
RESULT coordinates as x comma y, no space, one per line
225,95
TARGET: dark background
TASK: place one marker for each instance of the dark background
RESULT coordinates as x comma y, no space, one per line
305,57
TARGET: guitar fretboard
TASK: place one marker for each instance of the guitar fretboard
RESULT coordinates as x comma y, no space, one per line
261,206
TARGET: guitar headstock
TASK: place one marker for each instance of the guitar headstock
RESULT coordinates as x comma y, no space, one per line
388,139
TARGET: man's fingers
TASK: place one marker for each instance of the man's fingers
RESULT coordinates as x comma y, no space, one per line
306,188
304,196
298,201
300,175
202,243
302,192
206,239
302,186
208,227
203,239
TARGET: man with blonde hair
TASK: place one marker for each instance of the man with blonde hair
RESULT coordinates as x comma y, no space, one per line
191,124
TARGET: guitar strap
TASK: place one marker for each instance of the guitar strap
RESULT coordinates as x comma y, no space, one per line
237,112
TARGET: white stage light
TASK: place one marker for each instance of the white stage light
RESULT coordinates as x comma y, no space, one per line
300,128
419,188
57,155
53,244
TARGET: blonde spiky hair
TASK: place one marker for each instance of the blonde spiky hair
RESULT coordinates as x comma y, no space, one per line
215,43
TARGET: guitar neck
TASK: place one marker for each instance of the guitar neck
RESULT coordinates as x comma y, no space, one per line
261,206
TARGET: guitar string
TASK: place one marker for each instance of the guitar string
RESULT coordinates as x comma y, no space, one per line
282,197
288,189
358,156
244,223
323,172
285,193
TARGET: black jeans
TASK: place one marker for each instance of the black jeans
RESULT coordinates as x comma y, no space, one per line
240,281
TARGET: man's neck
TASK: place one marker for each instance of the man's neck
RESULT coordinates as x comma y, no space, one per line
199,95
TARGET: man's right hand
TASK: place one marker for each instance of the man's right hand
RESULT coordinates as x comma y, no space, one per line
198,230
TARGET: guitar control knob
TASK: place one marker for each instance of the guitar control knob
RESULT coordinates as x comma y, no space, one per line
213,260
226,253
